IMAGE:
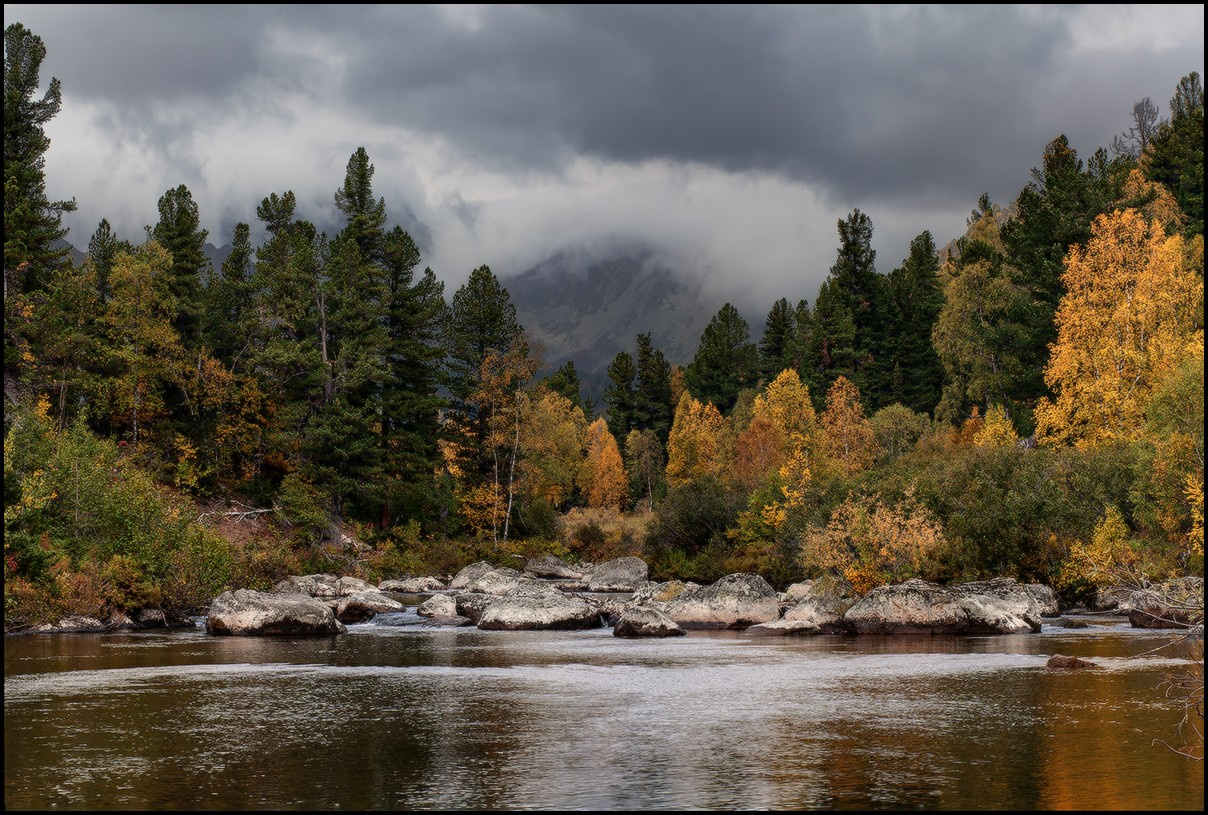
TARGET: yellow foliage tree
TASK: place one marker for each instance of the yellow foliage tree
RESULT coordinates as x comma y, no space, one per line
694,445
1131,308
847,434
604,478
997,429
553,432
786,404
1108,559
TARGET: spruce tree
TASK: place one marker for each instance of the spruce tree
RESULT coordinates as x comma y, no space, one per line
415,316
32,229
726,360
915,300
776,345
620,395
1175,155
652,409
179,231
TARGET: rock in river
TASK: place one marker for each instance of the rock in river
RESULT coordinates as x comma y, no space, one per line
254,613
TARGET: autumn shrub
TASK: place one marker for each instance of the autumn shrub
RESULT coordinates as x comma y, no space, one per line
871,542
595,534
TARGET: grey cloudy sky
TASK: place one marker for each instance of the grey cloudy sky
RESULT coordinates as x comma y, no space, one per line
729,138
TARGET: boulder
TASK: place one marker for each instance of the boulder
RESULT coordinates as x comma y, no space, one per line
919,607
438,605
820,610
496,581
555,567
311,585
469,574
620,574
645,621
734,601
254,613
659,593
365,605
472,605
353,585
1062,662
797,592
411,585
538,611
1032,599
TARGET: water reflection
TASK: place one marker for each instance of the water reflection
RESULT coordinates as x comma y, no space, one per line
411,717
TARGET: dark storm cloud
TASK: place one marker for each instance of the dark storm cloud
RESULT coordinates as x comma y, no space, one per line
878,102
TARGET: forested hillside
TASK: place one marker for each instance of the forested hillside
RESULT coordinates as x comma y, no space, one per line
1030,405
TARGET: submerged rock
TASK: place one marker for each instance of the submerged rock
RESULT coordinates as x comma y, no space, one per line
254,613
734,601
74,624
646,621
1062,662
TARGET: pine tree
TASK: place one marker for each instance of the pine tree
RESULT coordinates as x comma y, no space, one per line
1174,156
228,302
565,381
31,222
776,345
915,301
411,405
652,390
179,231
850,312
103,247
365,216
620,394
726,360
482,319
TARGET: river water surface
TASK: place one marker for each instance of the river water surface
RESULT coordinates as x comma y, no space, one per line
398,715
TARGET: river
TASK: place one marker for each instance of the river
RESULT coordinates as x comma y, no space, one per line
398,715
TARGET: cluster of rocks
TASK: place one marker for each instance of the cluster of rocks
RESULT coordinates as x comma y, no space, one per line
135,620
550,594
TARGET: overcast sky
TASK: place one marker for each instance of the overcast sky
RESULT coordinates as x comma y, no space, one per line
732,139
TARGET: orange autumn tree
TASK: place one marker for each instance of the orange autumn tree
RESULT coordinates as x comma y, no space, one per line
1132,309
605,482
846,431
